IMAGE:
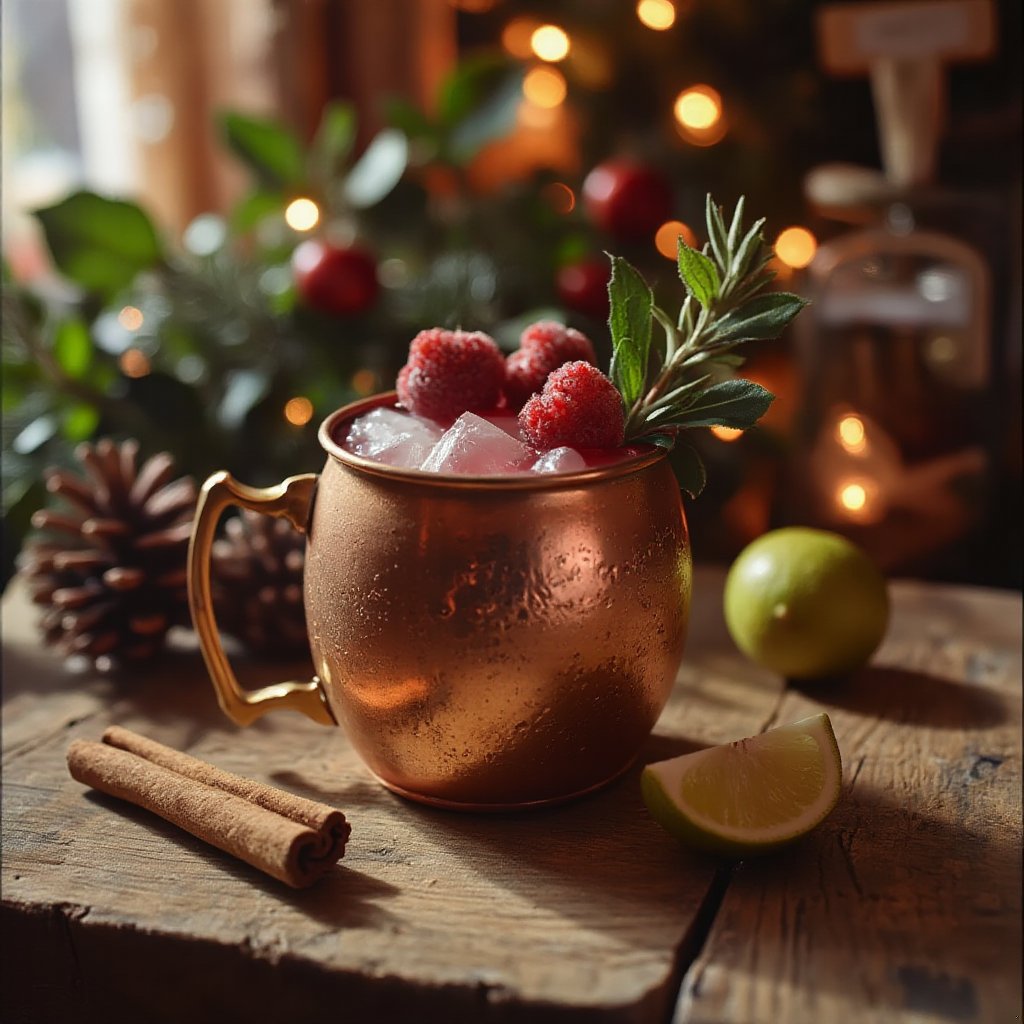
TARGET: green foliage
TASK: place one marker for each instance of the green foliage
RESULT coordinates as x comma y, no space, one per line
332,145
729,403
226,339
269,150
72,347
630,325
699,274
100,244
477,103
761,319
675,387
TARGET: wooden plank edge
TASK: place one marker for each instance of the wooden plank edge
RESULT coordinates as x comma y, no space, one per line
59,964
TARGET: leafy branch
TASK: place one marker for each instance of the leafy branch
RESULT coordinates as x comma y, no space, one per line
671,385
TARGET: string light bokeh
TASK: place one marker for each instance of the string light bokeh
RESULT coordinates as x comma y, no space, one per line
699,115
298,411
130,318
544,87
796,247
666,240
302,214
658,15
550,43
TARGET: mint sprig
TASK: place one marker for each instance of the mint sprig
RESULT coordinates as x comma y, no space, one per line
675,383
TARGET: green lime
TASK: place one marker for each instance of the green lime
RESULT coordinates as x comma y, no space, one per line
806,603
752,795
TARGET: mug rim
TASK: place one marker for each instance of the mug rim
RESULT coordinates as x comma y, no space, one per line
466,481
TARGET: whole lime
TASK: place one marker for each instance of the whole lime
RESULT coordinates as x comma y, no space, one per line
806,603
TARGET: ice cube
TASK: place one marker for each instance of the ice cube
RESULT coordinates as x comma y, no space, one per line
508,423
559,460
392,437
475,447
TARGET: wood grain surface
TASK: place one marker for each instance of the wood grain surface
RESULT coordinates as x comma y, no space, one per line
905,905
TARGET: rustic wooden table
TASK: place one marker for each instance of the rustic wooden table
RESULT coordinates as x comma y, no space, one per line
904,906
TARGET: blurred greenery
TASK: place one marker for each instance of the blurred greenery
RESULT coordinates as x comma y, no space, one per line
194,345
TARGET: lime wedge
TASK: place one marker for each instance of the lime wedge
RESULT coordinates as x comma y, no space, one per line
750,796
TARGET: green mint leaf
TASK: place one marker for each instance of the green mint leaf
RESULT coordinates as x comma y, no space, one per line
716,233
737,224
688,468
730,403
99,243
727,359
746,252
668,347
698,273
684,460
272,152
760,319
629,322
670,403
752,285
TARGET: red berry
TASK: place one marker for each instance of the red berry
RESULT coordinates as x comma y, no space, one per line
451,372
564,343
579,408
584,287
627,199
544,346
338,281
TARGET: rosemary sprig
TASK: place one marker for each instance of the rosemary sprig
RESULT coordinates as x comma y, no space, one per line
673,385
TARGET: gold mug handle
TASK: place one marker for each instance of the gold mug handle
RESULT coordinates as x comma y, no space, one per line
292,499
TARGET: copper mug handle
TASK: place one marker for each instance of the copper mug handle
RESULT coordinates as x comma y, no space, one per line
292,499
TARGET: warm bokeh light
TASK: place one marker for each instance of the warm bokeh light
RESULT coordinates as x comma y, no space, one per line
666,240
535,119
517,36
130,318
656,14
298,411
942,349
134,363
851,434
698,108
550,43
853,496
544,87
364,382
302,214
796,247
560,196
726,433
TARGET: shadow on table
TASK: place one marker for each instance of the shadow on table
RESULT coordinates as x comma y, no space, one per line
600,860
887,905
903,695
343,897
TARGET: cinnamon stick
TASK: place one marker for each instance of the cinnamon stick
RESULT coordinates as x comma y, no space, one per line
291,838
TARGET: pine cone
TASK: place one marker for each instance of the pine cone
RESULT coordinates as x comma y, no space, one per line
111,574
257,584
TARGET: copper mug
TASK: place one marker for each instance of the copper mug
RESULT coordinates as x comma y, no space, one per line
485,642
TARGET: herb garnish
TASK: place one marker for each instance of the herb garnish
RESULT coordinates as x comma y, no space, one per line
673,383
